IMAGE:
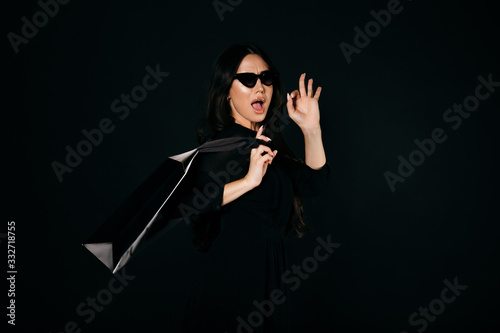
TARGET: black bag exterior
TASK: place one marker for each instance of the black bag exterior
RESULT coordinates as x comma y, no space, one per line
152,208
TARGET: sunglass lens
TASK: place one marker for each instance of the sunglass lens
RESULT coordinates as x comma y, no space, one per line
250,79
267,78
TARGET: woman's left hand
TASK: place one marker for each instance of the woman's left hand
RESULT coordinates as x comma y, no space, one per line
303,106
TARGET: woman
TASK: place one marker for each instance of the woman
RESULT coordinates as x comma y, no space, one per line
256,195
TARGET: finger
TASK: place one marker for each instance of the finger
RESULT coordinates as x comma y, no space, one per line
274,152
262,160
259,132
289,104
318,92
263,138
264,169
294,94
268,152
302,87
310,88
255,152
266,149
266,159
270,158
260,150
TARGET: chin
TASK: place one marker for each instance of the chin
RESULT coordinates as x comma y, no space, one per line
259,118
254,117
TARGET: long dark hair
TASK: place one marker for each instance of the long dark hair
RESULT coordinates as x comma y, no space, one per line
218,117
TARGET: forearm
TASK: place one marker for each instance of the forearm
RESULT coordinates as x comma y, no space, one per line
235,189
315,156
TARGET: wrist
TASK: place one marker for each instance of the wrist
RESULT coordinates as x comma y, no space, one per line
314,131
248,184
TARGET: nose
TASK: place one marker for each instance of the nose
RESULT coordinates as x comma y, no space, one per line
259,86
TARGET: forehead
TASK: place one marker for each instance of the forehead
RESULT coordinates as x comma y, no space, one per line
253,63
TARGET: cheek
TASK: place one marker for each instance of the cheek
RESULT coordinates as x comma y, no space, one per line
240,96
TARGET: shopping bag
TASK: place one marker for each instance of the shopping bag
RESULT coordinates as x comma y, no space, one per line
151,210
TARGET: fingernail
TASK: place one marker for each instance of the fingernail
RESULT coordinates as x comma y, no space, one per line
261,127
268,138
287,96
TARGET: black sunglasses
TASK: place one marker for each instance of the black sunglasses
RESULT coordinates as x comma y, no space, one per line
250,79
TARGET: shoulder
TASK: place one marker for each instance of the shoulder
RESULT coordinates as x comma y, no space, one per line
226,152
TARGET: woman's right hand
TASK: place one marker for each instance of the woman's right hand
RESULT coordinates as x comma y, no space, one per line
260,158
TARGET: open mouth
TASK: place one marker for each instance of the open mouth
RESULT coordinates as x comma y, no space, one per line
258,106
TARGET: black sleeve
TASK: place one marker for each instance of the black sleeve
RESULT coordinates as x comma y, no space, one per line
209,174
201,206
308,182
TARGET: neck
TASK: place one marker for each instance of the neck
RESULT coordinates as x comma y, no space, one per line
248,124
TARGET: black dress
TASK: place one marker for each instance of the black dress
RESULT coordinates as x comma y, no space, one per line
240,286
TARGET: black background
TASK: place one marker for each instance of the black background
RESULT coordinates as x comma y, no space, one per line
396,248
